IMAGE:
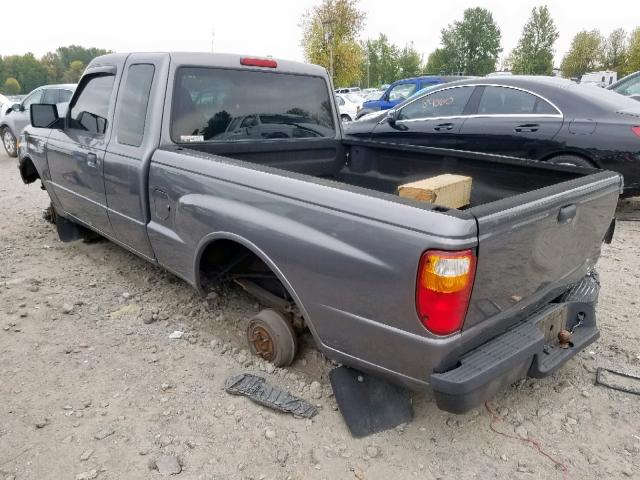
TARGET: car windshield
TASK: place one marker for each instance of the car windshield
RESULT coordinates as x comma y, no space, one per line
630,86
213,104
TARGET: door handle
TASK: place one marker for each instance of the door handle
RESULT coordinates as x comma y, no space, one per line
443,126
92,160
527,127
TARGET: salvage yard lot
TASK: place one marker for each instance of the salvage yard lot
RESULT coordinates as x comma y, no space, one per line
91,385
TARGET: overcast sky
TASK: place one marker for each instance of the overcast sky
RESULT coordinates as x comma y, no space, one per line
272,27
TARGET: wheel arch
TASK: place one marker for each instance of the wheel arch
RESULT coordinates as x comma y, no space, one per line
576,153
209,240
28,170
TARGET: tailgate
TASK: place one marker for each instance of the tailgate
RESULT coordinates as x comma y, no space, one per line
532,246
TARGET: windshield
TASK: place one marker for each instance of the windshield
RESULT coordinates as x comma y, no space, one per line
213,104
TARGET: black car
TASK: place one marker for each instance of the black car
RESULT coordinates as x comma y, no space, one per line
541,118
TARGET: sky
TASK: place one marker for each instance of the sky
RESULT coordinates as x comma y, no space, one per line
272,27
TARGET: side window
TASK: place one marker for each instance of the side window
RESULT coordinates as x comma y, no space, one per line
51,96
133,104
544,107
629,87
402,91
449,102
65,96
89,111
506,101
35,97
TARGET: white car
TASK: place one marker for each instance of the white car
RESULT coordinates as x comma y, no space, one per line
348,109
4,103
601,79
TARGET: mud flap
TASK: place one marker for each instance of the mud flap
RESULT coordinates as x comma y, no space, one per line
67,230
369,404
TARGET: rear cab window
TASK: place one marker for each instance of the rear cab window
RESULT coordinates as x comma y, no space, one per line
227,105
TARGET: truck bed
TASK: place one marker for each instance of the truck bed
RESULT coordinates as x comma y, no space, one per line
382,168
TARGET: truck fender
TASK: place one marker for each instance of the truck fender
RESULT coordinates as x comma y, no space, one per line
212,237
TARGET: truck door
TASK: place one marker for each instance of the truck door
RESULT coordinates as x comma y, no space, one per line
76,153
136,134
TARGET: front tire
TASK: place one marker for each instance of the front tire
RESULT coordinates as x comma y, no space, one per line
345,118
9,142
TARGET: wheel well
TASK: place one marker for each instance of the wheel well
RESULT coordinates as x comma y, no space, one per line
575,154
28,171
227,260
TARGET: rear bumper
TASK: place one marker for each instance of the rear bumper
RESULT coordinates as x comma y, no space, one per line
523,350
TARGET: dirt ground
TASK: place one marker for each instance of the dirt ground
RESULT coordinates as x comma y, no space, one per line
89,390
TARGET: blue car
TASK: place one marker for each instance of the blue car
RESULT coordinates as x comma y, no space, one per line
400,90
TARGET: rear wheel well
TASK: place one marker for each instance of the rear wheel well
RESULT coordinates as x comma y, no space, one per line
28,171
227,260
581,156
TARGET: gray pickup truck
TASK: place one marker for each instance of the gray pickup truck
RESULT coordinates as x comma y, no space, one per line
229,168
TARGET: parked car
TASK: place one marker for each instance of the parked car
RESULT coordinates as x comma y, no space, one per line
314,229
628,86
14,119
348,90
541,118
601,79
347,108
4,104
400,90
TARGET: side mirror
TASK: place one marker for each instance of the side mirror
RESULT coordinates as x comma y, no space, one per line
392,116
16,107
44,115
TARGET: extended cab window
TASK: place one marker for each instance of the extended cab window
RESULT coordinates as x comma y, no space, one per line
442,103
509,101
222,105
133,106
90,109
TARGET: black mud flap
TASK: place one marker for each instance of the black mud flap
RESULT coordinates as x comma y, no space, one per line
68,231
369,404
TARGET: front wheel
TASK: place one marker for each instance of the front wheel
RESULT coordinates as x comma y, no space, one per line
9,142
345,118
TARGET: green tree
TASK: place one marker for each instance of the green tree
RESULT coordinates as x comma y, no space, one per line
11,86
54,67
380,64
74,72
586,54
471,46
534,53
632,63
615,50
330,32
27,70
409,62
71,53
436,62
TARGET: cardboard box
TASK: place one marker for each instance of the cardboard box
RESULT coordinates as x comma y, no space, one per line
452,191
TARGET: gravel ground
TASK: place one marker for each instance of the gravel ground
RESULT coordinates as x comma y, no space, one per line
90,389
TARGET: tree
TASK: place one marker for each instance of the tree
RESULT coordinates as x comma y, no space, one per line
436,62
615,50
11,86
380,65
330,33
66,55
471,46
74,72
26,69
586,54
409,62
534,53
633,53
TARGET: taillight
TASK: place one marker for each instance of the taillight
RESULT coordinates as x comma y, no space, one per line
443,289
258,62
636,130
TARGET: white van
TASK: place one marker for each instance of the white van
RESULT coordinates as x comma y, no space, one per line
602,79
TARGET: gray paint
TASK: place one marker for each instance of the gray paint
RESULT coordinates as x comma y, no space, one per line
348,256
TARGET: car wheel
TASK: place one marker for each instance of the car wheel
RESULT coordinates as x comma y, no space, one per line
572,160
345,118
271,337
9,142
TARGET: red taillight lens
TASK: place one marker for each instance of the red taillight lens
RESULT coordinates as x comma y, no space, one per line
258,62
636,130
443,289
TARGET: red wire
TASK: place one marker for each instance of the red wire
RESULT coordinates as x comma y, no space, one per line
535,443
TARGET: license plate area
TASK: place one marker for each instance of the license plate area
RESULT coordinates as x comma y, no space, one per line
552,324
